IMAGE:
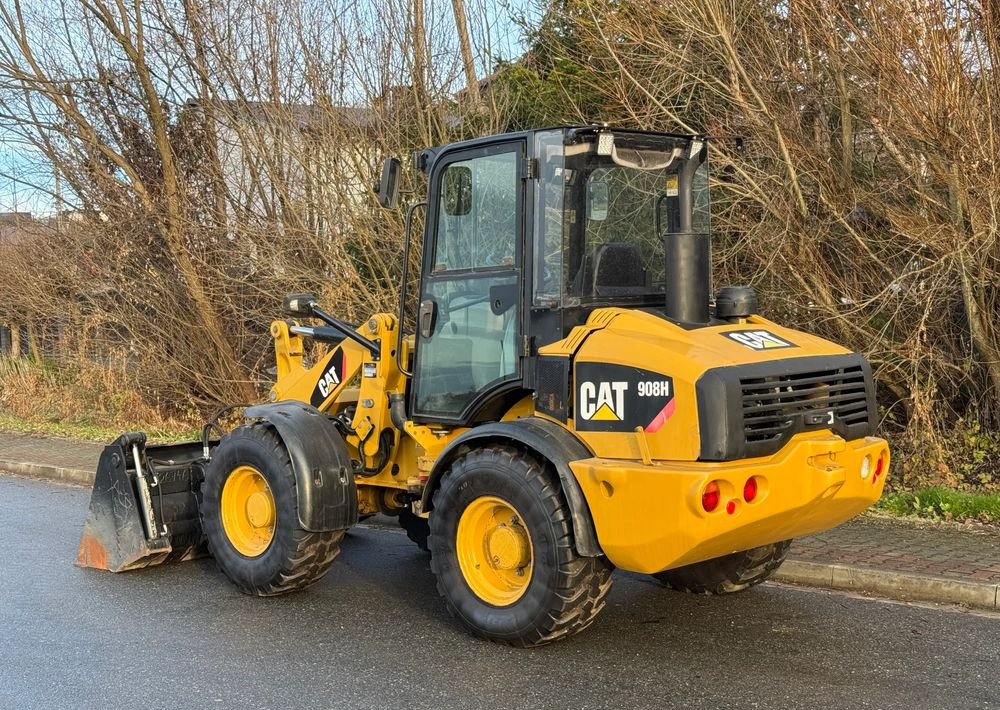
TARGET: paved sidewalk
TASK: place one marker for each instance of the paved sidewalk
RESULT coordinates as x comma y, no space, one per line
66,453
65,460
945,563
948,550
906,560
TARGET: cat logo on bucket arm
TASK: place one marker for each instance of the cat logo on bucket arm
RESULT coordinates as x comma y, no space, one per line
332,376
621,398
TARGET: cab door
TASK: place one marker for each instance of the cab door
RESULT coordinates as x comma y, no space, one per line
468,321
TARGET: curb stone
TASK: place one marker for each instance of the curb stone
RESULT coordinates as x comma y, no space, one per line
59,474
892,585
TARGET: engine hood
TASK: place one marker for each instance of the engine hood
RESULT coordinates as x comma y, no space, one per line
633,389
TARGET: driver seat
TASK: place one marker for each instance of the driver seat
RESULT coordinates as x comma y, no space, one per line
618,270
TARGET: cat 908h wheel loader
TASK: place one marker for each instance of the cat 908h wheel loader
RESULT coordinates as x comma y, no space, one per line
573,400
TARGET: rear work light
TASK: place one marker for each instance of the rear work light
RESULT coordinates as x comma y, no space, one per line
710,498
750,489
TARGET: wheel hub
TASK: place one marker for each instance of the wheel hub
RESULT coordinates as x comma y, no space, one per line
494,551
248,511
508,547
260,511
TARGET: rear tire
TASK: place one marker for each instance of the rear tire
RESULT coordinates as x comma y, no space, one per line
417,529
294,558
727,574
533,586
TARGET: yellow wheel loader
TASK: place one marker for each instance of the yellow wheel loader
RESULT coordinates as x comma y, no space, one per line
573,399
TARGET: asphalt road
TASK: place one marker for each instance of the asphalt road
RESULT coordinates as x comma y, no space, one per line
374,634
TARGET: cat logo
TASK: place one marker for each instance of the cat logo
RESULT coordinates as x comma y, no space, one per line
758,339
603,401
331,378
612,397
328,382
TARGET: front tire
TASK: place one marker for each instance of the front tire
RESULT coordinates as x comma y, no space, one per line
729,573
249,513
502,551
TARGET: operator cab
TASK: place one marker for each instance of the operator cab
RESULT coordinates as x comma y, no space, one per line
605,201
526,234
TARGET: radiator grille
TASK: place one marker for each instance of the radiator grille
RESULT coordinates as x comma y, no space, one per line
552,386
775,406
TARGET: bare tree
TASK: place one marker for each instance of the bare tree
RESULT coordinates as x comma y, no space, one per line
465,45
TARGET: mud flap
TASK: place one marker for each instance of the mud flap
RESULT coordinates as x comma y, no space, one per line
144,507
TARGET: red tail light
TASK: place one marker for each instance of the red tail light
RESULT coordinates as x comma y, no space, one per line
750,489
879,465
710,498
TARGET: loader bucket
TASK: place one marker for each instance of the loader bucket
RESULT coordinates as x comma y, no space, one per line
144,508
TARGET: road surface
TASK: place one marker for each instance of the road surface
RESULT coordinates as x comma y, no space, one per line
374,634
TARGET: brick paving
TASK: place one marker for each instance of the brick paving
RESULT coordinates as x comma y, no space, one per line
50,451
949,550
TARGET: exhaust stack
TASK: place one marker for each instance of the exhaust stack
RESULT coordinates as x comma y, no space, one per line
687,254
688,276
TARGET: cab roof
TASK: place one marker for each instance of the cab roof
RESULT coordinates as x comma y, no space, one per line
424,158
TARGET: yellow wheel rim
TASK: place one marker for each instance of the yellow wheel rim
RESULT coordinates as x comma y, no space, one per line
494,551
247,509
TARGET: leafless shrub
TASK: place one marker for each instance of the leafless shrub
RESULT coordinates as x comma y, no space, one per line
218,153
866,204
215,155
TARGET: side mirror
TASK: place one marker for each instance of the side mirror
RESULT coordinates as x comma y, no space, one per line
597,201
298,304
456,185
388,186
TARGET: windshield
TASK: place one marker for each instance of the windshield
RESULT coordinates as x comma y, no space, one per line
604,206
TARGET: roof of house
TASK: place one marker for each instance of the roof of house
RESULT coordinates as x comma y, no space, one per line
306,116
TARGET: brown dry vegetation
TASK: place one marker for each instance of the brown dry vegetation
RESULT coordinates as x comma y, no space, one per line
864,205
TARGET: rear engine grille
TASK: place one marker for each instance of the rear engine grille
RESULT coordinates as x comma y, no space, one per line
776,406
753,409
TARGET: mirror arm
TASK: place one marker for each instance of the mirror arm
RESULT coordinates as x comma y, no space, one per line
407,230
347,329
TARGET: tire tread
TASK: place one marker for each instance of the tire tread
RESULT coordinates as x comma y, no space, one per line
584,582
307,556
729,573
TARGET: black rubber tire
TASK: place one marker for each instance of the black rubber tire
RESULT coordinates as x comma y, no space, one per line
727,574
295,558
566,591
417,529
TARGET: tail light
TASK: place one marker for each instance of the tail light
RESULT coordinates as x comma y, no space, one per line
879,467
750,489
710,497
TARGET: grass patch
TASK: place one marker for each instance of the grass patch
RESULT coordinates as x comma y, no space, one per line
939,503
82,401
88,431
